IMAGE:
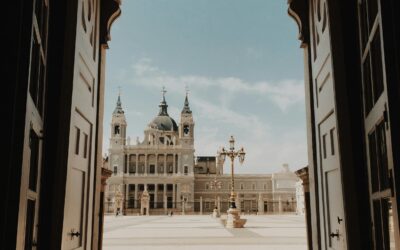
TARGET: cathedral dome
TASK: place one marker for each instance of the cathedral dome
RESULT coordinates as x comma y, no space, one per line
164,122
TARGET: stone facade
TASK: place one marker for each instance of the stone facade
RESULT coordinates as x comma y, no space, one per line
256,193
165,166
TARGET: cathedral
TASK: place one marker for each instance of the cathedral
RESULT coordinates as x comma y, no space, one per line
162,174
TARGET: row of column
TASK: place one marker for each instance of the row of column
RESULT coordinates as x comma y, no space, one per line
175,168
174,198
260,204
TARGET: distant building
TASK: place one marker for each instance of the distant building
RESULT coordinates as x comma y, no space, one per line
164,165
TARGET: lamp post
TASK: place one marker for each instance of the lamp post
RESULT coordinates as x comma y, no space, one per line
232,154
233,219
215,185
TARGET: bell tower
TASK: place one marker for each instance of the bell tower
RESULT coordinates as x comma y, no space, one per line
118,126
117,139
186,126
186,139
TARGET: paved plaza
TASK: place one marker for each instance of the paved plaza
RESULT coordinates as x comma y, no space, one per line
275,232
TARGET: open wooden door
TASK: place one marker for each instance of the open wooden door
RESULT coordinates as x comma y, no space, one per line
79,207
328,167
377,126
34,118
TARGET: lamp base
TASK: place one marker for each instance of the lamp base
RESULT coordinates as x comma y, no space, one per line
233,219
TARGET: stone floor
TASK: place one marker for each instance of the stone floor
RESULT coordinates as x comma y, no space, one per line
275,232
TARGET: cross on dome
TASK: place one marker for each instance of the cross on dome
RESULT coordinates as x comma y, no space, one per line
163,91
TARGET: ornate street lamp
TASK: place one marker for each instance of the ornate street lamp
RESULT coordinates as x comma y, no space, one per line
232,154
233,219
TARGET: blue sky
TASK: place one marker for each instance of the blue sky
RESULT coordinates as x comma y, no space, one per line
241,61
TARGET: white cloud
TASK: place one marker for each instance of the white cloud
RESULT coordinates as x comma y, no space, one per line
143,67
284,94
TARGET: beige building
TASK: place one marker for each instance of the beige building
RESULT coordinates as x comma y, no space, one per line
164,165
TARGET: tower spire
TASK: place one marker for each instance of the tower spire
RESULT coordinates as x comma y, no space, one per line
186,108
163,105
118,109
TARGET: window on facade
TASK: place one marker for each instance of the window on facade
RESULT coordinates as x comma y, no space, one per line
116,130
152,169
254,186
186,130
207,186
115,169
241,186
186,170
265,186
168,138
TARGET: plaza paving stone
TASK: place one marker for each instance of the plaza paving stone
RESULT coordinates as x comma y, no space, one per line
274,232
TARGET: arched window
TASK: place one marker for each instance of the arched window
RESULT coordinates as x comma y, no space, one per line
116,130
186,130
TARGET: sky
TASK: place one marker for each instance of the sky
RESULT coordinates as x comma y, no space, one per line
241,62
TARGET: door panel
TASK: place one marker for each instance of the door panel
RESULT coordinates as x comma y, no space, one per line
377,124
331,182
328,168
32,155
78,208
